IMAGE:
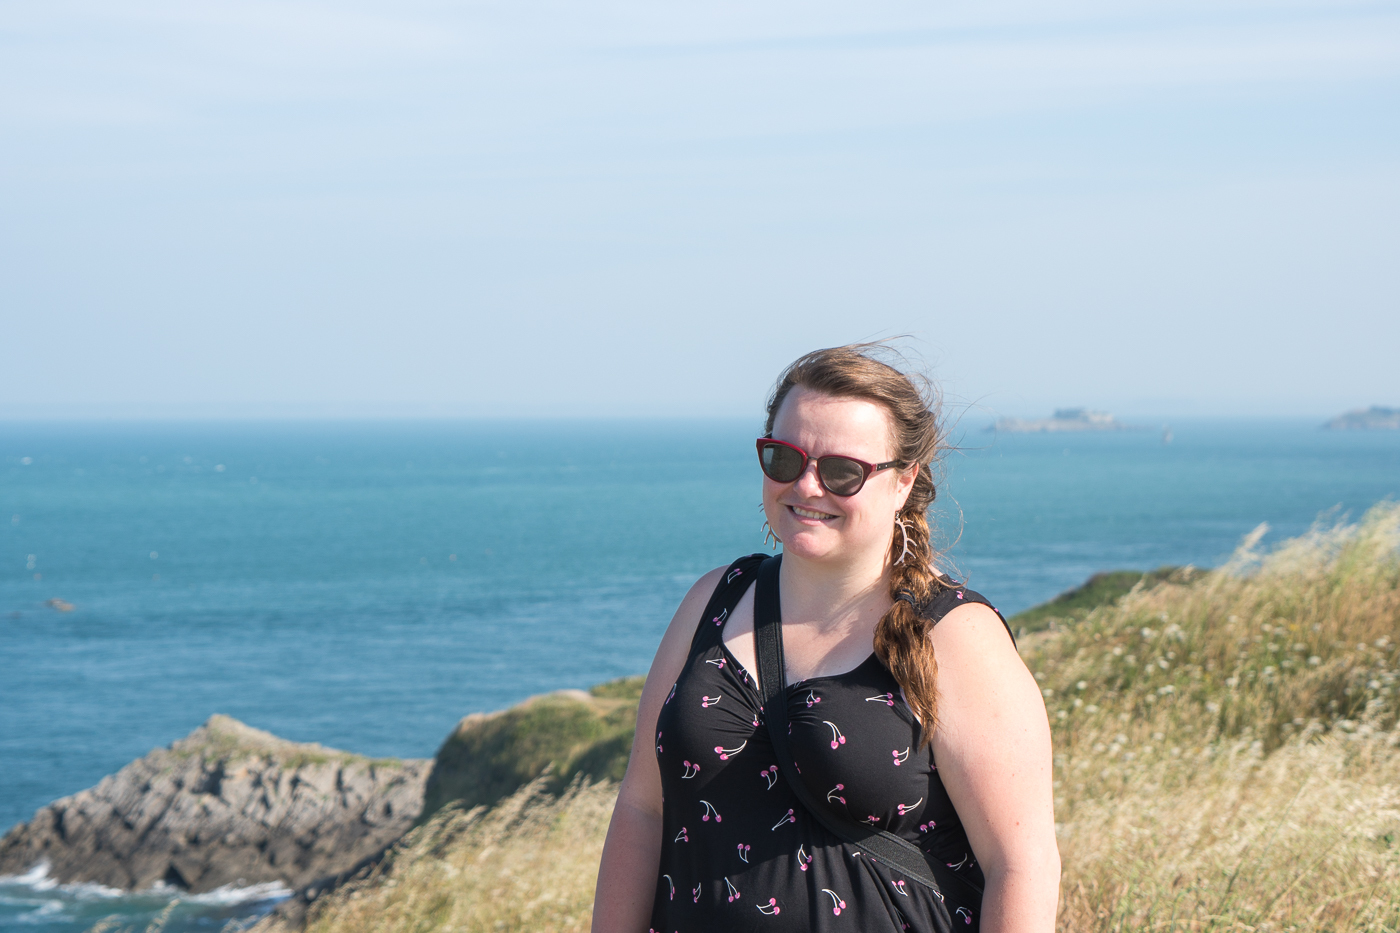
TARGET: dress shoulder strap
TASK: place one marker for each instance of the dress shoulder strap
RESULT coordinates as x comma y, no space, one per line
952,595
730,589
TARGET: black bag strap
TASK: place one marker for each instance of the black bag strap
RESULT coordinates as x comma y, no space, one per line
886,848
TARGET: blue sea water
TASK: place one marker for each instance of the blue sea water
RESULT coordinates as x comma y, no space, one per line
366,585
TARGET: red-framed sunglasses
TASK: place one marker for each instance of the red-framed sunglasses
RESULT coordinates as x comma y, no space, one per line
841,476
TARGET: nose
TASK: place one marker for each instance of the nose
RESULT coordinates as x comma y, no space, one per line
809,484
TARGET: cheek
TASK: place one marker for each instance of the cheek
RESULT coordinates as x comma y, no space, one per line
770,499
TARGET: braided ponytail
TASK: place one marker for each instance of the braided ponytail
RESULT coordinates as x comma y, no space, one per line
902,634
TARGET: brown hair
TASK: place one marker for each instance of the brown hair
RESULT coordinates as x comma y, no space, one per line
902,634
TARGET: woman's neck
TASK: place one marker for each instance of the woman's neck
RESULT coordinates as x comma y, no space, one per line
829,598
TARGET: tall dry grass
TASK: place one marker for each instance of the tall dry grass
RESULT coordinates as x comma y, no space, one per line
1226,751
528,863
1226,759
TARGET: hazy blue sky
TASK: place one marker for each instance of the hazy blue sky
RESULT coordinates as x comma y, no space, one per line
596,208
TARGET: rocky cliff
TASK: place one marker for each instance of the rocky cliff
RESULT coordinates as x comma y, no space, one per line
227,804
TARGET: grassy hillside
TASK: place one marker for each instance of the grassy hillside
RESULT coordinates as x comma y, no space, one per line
1102,589
1226,749
1225,759
569,734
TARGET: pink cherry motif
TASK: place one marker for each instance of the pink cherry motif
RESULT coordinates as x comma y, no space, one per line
836,737
925,827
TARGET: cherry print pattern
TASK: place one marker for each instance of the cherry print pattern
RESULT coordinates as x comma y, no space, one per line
836,737
845,766
725,753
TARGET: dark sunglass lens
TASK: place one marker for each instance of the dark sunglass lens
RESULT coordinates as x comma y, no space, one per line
782,464
841,476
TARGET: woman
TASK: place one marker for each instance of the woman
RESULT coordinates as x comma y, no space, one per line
909,708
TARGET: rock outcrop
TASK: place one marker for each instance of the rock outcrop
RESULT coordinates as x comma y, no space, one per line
1065,419
227,804
1375,418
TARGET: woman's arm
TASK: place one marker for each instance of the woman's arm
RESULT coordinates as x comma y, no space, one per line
993,753
632,853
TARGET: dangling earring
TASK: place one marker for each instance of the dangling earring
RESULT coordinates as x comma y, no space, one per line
770,539
903,531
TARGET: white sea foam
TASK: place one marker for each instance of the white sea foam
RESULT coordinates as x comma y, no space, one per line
46,912
37,880
227,895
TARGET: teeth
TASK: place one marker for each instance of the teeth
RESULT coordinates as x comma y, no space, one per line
808,513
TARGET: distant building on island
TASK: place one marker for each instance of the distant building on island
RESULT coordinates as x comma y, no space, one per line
1064,419
1374,418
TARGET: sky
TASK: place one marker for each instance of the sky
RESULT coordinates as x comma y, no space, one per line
620,209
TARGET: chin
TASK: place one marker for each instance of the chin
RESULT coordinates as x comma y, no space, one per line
800,542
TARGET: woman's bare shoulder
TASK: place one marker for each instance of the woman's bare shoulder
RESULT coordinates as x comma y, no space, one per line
675,644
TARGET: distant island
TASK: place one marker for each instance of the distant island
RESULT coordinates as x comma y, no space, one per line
1374,418
1064,419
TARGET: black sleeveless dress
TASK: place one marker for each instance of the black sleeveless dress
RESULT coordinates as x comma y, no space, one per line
739,852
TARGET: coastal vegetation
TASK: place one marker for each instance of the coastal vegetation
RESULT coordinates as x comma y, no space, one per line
1226,758
554,738
1102,589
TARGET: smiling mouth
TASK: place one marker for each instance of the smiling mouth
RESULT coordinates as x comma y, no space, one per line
809,513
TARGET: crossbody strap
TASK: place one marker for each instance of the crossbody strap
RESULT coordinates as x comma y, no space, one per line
886,848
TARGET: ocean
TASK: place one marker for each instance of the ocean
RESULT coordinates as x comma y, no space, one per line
365,585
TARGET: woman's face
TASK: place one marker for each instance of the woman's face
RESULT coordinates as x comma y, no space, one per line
814,524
